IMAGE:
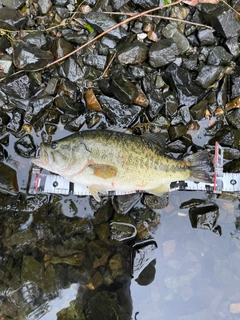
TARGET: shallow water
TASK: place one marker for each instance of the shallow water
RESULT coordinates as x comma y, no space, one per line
194,273
197,271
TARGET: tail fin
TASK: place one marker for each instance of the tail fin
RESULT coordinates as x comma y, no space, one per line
199,164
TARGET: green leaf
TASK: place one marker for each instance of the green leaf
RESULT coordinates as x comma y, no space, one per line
89,28
167,1
24,9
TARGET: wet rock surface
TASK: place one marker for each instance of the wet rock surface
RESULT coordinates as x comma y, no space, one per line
151,76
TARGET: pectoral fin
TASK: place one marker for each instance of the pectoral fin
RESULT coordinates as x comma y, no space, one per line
94,190
159,190
103,171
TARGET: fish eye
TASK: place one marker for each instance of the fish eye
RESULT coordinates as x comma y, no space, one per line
54,145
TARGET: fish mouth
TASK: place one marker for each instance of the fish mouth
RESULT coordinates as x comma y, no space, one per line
43,156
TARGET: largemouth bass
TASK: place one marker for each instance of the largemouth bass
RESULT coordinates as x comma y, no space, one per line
105,160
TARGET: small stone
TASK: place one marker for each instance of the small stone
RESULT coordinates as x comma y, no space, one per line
143,231
235,308
96,281
21,87
28,57
185,114
15,124
221,18
123,203
208,75
152,36
206,37
156,103
11,19
233,46
122,231
50,128
122,88
189,93
172,32
6,65
218,56
155,202
61,47
168,248
133,53
119,113
3,153
44,6
95,60
198,110
102,22
233,104
25,146
116,264
194,126
234,118
13,4
146,4
176,132
76,123
141,99
37,39
162,53
235,83
52,86
176,147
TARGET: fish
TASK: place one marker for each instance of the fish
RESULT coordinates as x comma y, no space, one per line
110,160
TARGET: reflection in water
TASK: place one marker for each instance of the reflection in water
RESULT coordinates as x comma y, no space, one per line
197,274
70,258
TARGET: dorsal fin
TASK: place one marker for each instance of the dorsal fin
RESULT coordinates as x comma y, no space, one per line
156,138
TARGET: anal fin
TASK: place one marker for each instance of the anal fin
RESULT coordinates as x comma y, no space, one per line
95,189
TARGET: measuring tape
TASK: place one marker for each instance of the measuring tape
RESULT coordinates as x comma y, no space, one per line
52,183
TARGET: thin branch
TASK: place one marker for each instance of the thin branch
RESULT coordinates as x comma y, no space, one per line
109,64
138,15
62,24
231,7
161,17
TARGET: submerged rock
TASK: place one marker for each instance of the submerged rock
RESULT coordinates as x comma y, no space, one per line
25,146
8,179
204,217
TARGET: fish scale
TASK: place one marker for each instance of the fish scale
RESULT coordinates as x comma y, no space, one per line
222,181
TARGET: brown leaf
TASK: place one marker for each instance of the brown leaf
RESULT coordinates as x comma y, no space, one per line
91,101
